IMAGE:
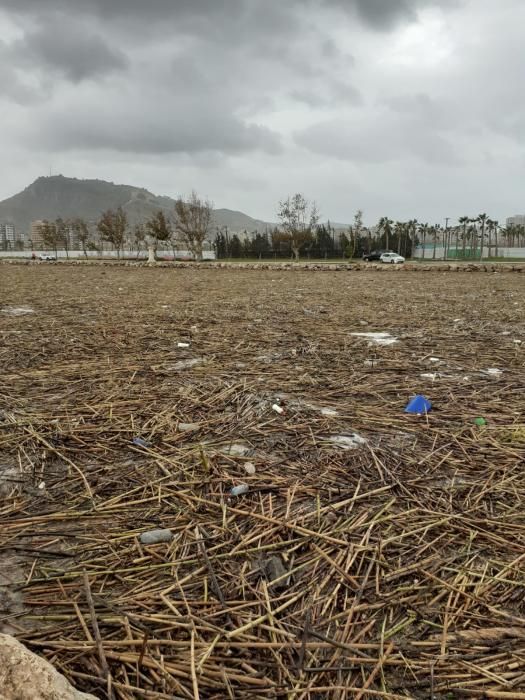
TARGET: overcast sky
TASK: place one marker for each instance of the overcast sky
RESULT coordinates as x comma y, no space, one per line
405,108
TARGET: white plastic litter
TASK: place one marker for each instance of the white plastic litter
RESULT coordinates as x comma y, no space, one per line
186,427
429,375
434,359
347,442
236,449
156,536
183,345
239,490
493,371
329,412
186,364
378,338
249,468
278,409
18,310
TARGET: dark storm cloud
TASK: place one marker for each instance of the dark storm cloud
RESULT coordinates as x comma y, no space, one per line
333,87
386,13
198,13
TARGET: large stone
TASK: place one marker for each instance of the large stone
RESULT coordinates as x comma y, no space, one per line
26,676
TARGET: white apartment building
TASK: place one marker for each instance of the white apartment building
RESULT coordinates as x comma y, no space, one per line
7,235
517,220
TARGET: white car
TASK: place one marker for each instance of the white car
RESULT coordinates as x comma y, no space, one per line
45,256
392,258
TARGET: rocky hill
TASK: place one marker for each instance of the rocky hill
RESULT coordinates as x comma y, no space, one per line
59,196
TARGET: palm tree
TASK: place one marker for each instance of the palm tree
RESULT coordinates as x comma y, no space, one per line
412,233
385,227
435,230
399,230
464,221
492,228
423,230
483,220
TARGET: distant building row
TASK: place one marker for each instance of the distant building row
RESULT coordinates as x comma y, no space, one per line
37,242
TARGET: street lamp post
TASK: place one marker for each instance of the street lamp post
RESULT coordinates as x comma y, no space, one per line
445,242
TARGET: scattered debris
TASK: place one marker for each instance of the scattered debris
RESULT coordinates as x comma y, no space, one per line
480,421
249,468
388,548
277,408
183,345
140,442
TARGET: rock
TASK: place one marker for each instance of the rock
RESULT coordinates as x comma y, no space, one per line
274,570
26,676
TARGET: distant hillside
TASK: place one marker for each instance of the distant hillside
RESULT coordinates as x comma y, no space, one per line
51,197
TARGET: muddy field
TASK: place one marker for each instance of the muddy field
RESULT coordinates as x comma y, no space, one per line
370,553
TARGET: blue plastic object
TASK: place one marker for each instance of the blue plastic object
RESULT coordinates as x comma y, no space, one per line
419,404
140,442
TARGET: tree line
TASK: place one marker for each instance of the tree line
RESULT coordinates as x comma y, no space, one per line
190,226
299,233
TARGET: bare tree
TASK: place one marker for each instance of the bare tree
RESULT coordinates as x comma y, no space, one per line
81,229
62,231
50,235
298,220
112,228
158,229
193,222
139,237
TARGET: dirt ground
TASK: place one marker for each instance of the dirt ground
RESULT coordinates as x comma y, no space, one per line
375,553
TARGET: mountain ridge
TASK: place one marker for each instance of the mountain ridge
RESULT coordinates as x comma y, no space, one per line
50,197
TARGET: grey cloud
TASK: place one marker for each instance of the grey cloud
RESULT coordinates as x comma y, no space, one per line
199,15
378,139
140,129
328,94
67,49
385,14
188,83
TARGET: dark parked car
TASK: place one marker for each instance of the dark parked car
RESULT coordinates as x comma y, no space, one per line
375,255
